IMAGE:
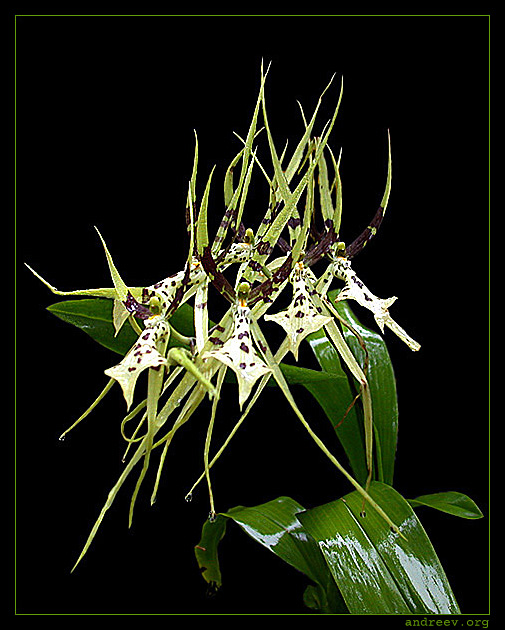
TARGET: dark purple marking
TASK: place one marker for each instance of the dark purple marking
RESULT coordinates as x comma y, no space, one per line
263,290
218,279
263,247
138,310
318,250
368,233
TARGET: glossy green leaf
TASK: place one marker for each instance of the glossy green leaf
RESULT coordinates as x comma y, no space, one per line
335,398
454,503
377,571
275,526
382,382
94,317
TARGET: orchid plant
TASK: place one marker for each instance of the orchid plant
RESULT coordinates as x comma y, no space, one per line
250,267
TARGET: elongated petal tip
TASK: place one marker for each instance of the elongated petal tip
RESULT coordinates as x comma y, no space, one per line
120,286
49,286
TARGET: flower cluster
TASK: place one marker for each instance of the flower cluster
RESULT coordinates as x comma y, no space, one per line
298,233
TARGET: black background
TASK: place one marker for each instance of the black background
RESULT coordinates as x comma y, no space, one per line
106,108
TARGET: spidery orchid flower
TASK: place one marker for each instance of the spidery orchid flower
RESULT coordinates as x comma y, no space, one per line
301,197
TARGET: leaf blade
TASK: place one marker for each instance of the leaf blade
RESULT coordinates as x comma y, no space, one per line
454,503
335,402
382,383
276,527
407,573
94,317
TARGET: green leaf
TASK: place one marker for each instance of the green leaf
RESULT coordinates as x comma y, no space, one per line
382,384
94,317
206,551
377,571
275,526
454,503
305,376
335,397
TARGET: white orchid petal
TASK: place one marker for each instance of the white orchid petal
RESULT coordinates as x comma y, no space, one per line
302,317
355,289
144,354
239,354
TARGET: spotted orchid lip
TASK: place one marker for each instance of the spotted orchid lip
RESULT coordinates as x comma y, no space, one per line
239,354
302,317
